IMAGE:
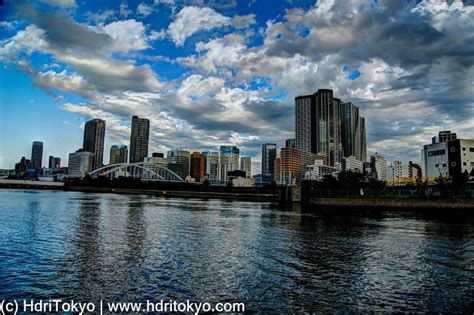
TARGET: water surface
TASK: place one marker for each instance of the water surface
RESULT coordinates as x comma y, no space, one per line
87,247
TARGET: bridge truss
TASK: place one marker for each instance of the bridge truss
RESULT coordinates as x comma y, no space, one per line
142,170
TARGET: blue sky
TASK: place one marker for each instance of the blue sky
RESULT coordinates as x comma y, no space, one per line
210,73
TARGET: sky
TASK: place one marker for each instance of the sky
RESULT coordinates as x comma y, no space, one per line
212,72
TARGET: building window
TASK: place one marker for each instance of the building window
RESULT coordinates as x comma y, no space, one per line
453,149
464,163
444,164
471,149
436,165
453,164
464,149
437,152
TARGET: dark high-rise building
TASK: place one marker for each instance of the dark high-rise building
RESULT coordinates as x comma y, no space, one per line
269,153
54,162
178,162
363,140
22,166
118,154
94,137
139,139
290,143
329,128
352,132
37,154
318,125
305,123
198,166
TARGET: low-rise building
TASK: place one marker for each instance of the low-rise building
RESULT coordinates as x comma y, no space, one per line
80,163
317,170
352,164
451,157
378,165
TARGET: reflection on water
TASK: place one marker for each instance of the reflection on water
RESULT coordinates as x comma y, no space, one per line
274,259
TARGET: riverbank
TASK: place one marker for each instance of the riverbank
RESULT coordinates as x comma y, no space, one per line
233,193
282,195
181,194
405,204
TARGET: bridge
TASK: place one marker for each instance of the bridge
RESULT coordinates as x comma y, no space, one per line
142,170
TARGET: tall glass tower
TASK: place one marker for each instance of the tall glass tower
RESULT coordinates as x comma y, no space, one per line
94,136
139,139
37,154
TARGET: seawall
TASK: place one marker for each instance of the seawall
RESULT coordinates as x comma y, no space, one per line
179,194
231,194
406,204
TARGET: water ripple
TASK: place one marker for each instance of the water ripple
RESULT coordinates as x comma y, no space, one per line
132,248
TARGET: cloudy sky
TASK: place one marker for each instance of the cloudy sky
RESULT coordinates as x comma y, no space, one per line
214,72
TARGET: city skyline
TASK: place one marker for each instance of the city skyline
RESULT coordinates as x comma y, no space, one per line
171,72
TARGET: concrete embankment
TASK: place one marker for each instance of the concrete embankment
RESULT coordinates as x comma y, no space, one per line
405,204
233,194
180,194
30,184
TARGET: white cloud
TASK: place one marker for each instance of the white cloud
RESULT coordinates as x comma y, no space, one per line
243,21
154,35
110,75
144,10
195,87
8,25
128,35
237,93
101,16
28,40
191,20
124,10
61,3
64,81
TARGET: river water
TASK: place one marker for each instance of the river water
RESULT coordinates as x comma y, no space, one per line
86,247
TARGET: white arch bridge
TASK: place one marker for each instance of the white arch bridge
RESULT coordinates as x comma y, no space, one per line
142,170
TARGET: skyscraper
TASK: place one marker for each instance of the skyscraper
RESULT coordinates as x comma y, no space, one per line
230,157
139,139
198,166
94,136
290,143
212,164
353,132
118,154
269,152
363,140
246,165
305,124
329,128
54,162
37,154
178,162
288,167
